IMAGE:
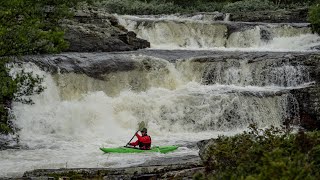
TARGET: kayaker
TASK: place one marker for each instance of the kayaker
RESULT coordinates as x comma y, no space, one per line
144,141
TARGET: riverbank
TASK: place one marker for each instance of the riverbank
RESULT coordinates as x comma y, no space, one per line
159,168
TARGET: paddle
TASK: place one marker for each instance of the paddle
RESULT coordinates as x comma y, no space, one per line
141,126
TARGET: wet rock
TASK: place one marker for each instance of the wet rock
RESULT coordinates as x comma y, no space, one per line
316,48
299,15
190,159
265,35
140,172
97,31
309,106
9,142
94,65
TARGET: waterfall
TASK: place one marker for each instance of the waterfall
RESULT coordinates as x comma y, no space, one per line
175,33
243,73
186,97
98,99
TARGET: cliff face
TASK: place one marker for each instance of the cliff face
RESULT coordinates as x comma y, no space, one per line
309,97
95,31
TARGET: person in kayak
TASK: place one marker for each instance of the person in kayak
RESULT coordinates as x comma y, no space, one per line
144,141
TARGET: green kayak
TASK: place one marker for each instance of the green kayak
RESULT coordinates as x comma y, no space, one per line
161,149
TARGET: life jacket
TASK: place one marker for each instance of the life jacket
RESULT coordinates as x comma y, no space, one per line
145,145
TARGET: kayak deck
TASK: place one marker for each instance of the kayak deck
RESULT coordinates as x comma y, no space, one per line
161,149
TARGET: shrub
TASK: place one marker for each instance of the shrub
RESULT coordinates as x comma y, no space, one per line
314,17
18,89
27,27
209,7
139,7
249,5
264,154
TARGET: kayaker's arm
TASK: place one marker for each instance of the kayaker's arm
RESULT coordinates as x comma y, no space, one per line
138,136
135,143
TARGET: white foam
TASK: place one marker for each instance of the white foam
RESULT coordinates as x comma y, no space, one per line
172,32
68,132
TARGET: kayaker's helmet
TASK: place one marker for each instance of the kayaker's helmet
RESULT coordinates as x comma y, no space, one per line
144,130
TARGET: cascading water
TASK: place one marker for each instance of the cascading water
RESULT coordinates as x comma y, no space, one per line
242,73
190,33
77,114
181,101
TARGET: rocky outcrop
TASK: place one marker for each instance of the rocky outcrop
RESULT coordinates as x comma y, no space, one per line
176,171
157,168
309,106
279,16
309,97
96,31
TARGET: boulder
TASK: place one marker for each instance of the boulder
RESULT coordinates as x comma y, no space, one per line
96,31
175,171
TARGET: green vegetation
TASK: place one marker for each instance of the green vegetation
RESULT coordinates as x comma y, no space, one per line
264,154
249,5
314,17
8,88
27,27
32,26
145,7
18,89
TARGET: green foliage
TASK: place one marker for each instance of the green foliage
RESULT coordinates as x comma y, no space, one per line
18,88
278,2
158,6
32,26
139,7
147,7
314,17
249,5
27,27
8,88
265,154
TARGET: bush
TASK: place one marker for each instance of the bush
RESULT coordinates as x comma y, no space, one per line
314,17
147,7
210,6
27,27
18,89
249,5
139,8
264,154
155,7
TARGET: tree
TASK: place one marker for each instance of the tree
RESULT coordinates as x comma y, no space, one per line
32,26
28,27
314,17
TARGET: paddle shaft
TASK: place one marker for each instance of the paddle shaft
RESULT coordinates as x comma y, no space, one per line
132,137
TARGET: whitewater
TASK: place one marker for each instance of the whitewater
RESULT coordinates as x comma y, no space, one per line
181,103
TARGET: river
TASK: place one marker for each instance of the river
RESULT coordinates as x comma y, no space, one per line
181,99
